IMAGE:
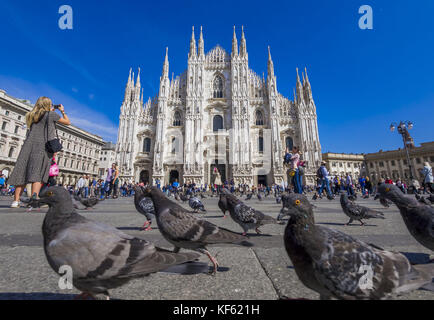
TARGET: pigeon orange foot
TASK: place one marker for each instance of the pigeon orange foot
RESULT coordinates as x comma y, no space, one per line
146,226
84,296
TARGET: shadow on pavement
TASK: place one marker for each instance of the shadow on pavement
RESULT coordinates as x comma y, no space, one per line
35,296
417,257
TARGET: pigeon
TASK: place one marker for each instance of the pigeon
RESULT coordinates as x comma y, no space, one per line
183,197
422,199
145,206
339,266
177,197
89,203
315,196
249,196
202,195
245,216
384,202
418,217
184,230
222,204
357,212
352,197
101,257
278,199
196,204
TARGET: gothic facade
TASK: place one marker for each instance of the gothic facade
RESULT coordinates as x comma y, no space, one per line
217,113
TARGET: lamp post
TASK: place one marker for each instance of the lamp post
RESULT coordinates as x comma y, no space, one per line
403,128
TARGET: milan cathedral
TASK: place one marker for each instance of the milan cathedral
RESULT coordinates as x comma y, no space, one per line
217,113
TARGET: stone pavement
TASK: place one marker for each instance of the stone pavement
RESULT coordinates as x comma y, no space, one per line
260,272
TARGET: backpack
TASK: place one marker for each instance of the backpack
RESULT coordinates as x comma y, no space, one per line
287,158
319,173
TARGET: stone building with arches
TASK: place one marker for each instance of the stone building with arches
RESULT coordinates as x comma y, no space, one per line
217,113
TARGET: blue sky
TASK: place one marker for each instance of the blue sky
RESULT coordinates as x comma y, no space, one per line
362,80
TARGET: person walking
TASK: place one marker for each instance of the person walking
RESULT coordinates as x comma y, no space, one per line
108,182
294,170
323,175
349,183
34,160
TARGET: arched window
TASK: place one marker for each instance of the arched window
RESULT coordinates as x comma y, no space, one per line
289,143
11,152
177,119
218,87
147,145
261,144
259,118
217,123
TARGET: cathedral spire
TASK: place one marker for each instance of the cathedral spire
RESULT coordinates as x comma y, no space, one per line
243,48
299,88
270,64
200,44
234,44
138,79
166,64
192,52
129,79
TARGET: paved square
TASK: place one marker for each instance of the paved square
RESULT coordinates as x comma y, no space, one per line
261,272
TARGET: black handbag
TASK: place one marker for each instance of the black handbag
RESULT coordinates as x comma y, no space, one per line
52,146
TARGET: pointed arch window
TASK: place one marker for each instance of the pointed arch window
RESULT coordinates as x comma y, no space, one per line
261,143
147,145
174,145
259,118
289,143
177,119
217,123
218,87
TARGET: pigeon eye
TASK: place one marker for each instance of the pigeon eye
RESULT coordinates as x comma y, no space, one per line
297,202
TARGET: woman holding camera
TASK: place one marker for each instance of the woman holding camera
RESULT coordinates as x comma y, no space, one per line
34,161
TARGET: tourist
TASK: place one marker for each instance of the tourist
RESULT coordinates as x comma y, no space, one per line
115,181
323,176
34,161
349,184
428,180
294,170
108,181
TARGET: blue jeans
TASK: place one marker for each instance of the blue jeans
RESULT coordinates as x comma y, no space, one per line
325,183
296,180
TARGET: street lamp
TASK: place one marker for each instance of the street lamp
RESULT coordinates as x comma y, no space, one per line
403,128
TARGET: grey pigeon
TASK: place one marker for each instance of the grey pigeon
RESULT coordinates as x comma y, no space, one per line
418,217
249,196
245,216
89,203
196,204
222,204
183,197
144,205
384,202
339,266
422,199
357,212
184,230
101,257
202,195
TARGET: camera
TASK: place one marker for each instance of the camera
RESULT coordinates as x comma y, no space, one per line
56,106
